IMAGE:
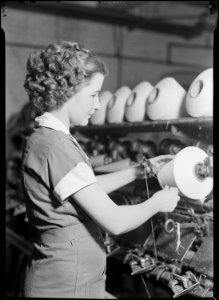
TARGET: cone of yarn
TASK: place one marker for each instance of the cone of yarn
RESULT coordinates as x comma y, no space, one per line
180,173
116,106
170,146
136,102
99,117
199,98
114,166
166,100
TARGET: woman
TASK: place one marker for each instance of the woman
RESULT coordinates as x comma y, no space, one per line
65,202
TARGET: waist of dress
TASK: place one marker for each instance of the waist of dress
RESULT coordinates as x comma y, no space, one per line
64,234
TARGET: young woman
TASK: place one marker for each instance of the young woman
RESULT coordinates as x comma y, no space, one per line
65,202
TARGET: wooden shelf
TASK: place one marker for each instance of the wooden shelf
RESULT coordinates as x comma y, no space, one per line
199,128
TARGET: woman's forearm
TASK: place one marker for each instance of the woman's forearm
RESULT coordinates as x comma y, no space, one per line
113,181
133,216
115,219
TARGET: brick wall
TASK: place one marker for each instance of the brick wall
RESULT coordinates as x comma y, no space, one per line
131,55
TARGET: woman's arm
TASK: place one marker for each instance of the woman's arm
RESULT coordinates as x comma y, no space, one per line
117,219
115,180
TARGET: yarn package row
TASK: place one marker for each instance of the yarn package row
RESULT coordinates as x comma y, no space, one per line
165,101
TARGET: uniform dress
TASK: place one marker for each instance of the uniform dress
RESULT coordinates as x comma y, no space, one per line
68,259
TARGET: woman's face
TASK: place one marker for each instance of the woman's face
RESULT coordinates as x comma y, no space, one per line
86,101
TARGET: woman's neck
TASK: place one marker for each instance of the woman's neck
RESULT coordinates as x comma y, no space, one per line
61,115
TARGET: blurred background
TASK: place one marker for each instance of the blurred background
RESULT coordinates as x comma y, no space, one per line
138,40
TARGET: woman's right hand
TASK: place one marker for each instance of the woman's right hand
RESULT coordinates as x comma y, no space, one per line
166,199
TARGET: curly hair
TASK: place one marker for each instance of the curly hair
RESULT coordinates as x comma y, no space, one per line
54,74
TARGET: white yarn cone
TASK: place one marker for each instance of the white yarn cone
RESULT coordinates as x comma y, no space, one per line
166,100
99,117
180,173
199,98
114,166
116,106
136,104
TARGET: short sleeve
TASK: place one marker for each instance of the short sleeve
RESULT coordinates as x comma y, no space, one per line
68,171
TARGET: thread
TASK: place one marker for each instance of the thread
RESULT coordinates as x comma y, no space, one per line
199,98
166,100
116,106
136,104
99,117
180,173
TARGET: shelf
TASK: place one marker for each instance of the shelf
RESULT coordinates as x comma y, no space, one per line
199,128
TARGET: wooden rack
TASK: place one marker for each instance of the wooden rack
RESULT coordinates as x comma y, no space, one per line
198,128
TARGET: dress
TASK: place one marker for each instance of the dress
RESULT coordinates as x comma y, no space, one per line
68,259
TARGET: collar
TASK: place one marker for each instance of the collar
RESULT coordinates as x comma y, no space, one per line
50,121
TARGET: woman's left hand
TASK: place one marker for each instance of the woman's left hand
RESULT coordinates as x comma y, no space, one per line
156,164
159,161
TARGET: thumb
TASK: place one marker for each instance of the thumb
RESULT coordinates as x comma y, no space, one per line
166,187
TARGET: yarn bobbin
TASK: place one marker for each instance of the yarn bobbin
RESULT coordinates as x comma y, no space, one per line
180,172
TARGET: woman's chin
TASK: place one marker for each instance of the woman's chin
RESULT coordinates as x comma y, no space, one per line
84,123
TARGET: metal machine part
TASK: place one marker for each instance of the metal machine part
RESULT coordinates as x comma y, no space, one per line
183,261
204,169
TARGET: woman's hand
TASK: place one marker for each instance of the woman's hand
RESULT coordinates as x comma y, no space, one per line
166,199
156,164
159,161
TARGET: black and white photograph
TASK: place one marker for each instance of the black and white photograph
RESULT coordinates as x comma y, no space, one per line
109,153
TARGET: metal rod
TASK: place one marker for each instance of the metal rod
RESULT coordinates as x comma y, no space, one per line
149,296
152,227
110,17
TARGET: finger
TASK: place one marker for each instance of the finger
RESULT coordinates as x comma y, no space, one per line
165,156
174,188
168,156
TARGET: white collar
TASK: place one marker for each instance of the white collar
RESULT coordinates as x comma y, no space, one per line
50,121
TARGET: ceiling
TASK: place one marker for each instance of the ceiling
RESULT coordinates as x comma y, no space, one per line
185,18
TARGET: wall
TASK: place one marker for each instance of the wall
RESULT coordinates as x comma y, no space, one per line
131,55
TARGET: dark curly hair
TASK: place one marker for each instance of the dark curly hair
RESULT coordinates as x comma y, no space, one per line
54,74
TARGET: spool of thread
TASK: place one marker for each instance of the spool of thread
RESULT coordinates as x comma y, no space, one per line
127,146
119,152
99,117
208,148
136,103
111,144
180,172
95,147
170,146
149,149
199,98
114,166
166,100
116,106
136,145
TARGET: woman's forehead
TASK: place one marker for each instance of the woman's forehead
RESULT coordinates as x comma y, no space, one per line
95,83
